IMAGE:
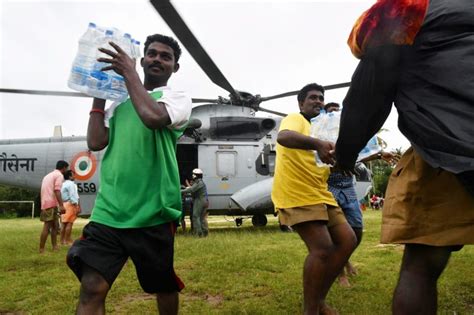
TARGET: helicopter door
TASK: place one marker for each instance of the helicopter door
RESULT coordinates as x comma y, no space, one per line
187,156
226,164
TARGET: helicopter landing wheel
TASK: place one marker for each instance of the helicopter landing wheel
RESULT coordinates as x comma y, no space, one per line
259,220
239,221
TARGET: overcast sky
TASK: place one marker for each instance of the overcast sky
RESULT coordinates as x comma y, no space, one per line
263,47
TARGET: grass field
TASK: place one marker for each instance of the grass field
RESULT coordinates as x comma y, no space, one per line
243,270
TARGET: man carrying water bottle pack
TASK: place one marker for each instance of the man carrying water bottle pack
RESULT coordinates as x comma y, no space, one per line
139,199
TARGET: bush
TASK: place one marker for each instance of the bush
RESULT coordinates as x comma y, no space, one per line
381,173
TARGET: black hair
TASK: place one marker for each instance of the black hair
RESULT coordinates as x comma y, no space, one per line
68,174
164,40
331,104
309,87
61,164
198,175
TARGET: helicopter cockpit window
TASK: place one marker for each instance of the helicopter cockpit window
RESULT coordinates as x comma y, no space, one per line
226,163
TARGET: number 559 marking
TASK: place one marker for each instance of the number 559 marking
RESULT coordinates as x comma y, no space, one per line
86,188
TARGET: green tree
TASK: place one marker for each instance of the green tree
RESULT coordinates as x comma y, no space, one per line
381,173
8,193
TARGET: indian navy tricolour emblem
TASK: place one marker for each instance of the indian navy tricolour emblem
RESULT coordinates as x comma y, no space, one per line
84,165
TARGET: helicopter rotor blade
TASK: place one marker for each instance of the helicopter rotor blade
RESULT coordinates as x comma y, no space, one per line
326,88
269,98
184,34
77,94
336,86
272,112
41,92
205,100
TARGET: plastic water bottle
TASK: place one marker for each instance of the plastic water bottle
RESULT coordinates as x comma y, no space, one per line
325,127
84,60
99,81
106,84
126,44
334,121
371,148
118,88
136,49
86,73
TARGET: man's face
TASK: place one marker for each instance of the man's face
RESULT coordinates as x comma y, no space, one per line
313,103
64,169
159,62
333,109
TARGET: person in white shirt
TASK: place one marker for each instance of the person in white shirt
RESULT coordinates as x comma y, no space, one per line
71,205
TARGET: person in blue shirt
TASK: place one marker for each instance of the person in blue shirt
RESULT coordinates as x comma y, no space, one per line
70,198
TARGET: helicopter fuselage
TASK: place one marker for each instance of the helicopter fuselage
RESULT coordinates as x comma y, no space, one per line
234,149
229,146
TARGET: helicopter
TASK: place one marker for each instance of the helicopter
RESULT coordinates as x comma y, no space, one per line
234,148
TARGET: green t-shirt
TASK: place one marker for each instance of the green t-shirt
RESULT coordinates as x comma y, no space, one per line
139,179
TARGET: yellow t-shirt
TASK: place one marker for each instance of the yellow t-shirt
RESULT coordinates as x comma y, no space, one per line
298,181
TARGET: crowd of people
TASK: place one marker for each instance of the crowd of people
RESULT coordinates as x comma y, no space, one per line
412,58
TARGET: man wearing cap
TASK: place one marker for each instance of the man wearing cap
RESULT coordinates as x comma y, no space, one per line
199,192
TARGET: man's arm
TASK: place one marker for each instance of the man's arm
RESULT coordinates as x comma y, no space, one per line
368,102
195,186
153,114
57,193
73,194
97,132
295,140
390,158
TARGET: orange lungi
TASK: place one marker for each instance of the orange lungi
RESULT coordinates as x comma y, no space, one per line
71,212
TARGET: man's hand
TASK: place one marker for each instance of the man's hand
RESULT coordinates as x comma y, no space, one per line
120,62
326,151
62,210
390,158
346,171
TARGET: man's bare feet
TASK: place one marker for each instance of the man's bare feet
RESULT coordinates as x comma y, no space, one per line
55,248
350,269
344,281
41,250
325,309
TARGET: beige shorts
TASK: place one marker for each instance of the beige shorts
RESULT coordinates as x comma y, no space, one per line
49,214
426,205
318,212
